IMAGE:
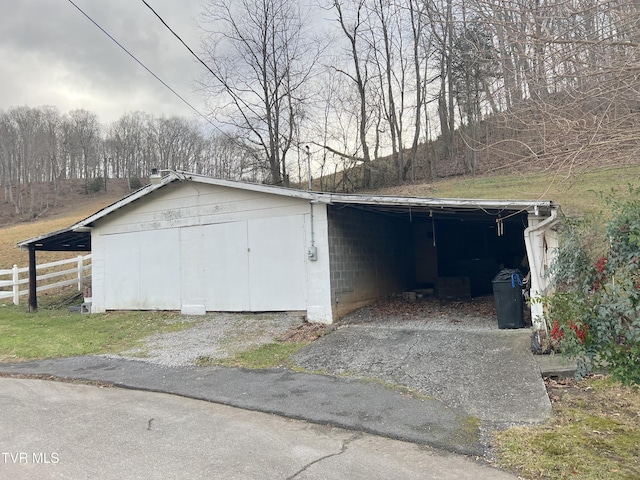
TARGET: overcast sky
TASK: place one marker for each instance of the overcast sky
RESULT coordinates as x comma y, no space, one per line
51,54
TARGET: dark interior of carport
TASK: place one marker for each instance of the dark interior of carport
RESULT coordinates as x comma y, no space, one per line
451,253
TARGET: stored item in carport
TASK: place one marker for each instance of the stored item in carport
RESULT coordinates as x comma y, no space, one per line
507,292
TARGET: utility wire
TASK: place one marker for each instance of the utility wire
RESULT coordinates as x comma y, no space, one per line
180,39
195,55
146,68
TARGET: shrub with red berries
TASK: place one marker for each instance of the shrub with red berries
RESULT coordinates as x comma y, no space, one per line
595,309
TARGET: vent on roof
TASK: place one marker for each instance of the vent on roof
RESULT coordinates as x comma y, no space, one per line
155,178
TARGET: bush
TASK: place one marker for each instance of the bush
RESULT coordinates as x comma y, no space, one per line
135,183
95,185
594,314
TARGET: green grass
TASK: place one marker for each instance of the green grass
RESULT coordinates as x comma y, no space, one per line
268,355
57,333
594,434
576,194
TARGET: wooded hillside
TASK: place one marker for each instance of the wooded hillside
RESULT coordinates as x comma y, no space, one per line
393,92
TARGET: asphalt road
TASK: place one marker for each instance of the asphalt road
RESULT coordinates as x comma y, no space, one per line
54,430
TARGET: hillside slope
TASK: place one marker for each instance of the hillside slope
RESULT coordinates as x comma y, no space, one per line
576,195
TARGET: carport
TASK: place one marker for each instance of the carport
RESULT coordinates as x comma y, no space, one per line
451,248
58,241
195,244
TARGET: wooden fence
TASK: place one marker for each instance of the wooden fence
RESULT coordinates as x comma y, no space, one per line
11,280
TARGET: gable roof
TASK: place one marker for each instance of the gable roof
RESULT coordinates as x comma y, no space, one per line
77,237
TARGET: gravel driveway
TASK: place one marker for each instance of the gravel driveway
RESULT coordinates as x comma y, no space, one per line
219,335
214,336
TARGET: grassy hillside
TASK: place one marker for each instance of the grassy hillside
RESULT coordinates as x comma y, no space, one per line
575,194
71,211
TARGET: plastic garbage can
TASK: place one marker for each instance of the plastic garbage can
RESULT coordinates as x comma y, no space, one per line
507,291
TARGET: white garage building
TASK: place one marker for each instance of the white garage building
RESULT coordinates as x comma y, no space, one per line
197,244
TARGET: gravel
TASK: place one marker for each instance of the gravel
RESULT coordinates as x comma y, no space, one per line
214,336
219,335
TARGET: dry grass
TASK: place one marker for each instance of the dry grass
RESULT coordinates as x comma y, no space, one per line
10,235
595,434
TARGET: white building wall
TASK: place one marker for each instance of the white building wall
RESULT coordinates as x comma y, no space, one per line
319,307
196,248
183,204
192,284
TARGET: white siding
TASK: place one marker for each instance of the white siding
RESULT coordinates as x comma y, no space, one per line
195,247
187,204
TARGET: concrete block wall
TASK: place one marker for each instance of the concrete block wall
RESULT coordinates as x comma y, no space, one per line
370,257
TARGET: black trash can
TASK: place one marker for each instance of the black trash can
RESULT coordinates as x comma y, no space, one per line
507,291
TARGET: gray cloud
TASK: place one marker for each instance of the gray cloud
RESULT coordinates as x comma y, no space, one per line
53,55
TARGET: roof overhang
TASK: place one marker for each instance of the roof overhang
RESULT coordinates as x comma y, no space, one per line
65,240
78,237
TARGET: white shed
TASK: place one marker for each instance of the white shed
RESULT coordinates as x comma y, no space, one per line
197,244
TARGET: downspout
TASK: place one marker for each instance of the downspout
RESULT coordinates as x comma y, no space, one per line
312,253
538,285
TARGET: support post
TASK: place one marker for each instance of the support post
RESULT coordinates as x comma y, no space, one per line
16,286
80,273
33,300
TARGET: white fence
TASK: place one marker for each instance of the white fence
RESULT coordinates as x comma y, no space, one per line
11,280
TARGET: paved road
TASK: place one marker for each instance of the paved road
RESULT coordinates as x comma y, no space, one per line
59,430
463,376
366,406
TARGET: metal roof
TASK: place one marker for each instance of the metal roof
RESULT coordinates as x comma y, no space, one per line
78,238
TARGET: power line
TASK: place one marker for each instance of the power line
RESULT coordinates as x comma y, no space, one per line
145,67
195,55
180,39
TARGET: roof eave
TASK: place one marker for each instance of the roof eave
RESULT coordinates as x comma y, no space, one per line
85,224
441,202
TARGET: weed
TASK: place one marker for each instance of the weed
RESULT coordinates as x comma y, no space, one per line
268,355
595,434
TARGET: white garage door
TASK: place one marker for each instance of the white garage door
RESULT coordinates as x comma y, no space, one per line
255,265
277,271
226,267
142,271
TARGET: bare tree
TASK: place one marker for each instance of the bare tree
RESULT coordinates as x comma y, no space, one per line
11,161
227,157
83,135
51,127
570,82
260,55
352,21
127,146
